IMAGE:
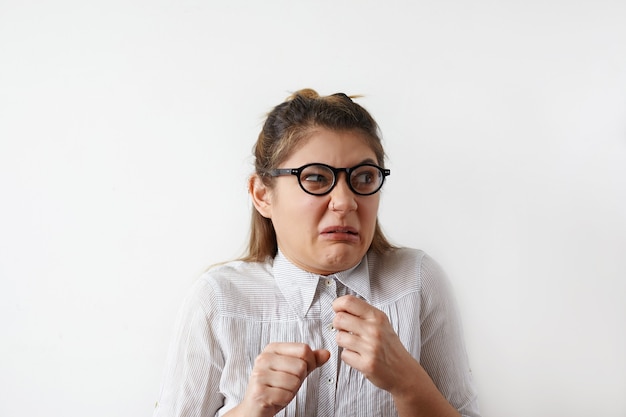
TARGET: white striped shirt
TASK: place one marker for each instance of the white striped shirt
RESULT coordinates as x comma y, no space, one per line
236,309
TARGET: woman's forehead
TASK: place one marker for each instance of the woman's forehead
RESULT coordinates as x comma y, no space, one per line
332,147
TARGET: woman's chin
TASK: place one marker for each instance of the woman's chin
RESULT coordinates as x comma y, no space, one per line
341,259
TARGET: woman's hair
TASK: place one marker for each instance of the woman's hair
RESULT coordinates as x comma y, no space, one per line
286,128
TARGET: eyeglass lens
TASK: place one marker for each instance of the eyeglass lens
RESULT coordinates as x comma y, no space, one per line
319,179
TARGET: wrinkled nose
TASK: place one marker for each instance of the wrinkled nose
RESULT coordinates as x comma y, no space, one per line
342,199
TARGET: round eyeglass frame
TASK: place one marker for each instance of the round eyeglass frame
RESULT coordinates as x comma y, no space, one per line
296,171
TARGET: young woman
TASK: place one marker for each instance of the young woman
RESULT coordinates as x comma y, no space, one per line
323,316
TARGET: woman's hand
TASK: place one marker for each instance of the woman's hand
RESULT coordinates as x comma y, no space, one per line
277,376
370,345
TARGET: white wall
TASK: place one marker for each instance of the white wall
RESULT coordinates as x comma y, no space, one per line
125,135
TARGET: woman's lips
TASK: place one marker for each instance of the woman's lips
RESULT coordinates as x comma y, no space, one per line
341,234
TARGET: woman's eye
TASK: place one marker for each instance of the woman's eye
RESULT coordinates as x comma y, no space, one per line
364,178
316,178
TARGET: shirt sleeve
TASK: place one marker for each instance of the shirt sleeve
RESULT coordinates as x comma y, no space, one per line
190,386
443,353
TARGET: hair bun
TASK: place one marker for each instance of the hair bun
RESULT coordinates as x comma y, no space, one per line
306,93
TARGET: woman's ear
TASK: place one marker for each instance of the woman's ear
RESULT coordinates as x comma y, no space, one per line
261,196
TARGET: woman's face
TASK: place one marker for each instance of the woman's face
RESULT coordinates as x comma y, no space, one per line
329,233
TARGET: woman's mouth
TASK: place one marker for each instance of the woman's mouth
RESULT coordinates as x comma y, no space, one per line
341,233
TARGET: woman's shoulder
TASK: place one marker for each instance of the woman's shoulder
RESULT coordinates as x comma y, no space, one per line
237,272
411,268
237,277
238,266
401,258
230,280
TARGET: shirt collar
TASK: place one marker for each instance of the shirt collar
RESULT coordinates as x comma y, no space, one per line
298,286
357,279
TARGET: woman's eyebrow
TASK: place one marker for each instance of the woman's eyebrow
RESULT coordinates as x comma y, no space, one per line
368,161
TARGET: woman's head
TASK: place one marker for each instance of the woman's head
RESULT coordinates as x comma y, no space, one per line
309,128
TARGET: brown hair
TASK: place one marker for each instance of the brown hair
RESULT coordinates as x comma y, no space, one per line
286,127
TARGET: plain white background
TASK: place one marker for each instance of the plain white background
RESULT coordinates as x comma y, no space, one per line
126,130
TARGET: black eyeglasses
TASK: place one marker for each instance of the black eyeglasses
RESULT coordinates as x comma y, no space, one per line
320,179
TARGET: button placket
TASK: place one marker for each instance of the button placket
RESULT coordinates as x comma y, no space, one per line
332,287
328,375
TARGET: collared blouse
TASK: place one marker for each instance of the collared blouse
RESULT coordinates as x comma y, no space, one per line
234,310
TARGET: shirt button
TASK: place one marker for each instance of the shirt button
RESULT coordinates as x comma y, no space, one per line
329,282
331,327
330,381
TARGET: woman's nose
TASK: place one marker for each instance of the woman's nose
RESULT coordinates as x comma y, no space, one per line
341,197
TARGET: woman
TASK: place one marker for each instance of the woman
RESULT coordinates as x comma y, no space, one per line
323,316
